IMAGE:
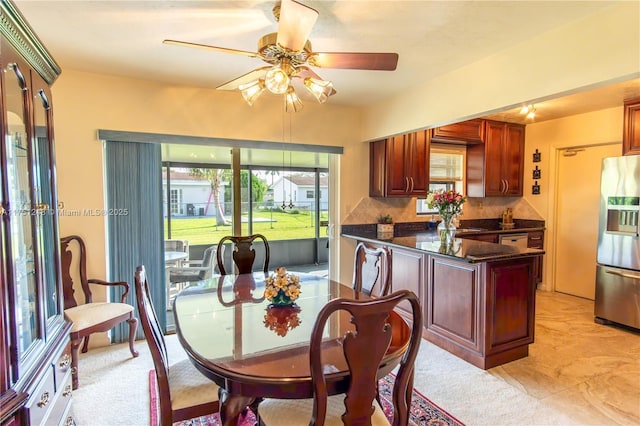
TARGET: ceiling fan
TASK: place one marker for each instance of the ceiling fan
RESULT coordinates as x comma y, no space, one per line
288,53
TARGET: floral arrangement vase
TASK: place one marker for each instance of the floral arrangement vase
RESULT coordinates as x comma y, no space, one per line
282,288
446,231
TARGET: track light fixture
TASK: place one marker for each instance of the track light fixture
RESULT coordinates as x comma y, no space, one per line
529,110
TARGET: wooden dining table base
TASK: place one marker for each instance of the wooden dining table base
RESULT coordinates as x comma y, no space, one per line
231,406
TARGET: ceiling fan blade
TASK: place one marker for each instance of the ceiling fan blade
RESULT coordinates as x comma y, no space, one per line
295,23
244,79
304,72
355,60
214,48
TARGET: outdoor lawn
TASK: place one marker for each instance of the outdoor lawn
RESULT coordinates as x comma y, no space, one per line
274,225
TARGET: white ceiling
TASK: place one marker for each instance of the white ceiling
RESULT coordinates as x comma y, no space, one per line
431,37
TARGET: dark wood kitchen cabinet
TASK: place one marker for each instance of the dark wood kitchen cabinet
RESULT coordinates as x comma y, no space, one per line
399,166
407,273
535,239
35,371
631,132
482,312
464,132
495,168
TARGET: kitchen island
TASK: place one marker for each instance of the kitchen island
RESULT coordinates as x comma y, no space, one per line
478,298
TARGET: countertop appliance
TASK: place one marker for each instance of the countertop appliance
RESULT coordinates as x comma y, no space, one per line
518,240
617,297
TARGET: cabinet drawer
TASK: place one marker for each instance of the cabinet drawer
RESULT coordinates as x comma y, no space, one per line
490,238
41,399
61,404
62,365
535,239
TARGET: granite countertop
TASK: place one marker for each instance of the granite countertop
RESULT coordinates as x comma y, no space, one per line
427,240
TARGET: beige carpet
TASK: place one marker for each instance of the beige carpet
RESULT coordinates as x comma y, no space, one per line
114,389
577,373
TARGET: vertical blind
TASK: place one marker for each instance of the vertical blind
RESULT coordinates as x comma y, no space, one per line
134,222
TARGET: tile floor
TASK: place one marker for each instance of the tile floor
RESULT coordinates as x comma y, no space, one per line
585,369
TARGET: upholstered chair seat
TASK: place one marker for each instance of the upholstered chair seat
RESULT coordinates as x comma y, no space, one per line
188,387
92,314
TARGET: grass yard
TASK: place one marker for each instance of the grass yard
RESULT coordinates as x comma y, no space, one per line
273,225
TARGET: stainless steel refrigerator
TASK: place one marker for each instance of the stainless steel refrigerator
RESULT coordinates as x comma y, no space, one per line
617,296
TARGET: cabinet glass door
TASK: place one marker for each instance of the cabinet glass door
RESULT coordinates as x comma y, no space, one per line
20,206
45,208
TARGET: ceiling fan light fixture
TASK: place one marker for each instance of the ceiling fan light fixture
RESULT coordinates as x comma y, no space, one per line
321,89
292,102
252,91
277,78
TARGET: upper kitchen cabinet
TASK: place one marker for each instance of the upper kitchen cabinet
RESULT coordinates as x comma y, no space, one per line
631,134
399,166
464,132
495,168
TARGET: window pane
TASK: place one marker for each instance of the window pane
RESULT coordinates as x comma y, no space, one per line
198,206
278,201
446,172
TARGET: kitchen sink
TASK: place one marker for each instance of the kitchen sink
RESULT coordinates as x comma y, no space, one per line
462,230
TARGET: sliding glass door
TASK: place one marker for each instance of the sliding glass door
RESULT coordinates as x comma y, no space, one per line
285,201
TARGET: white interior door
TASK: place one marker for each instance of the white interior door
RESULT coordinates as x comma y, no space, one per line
577,219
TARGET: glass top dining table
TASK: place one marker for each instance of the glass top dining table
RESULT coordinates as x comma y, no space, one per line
254,351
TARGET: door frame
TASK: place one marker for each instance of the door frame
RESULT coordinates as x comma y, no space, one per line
549,263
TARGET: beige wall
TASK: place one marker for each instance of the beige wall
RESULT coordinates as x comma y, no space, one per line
565,60
598,127
87,102
561,61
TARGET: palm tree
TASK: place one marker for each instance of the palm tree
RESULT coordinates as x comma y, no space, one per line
215,178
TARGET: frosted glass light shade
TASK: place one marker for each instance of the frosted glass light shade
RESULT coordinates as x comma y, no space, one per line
321,89
276,80
292,102
252,91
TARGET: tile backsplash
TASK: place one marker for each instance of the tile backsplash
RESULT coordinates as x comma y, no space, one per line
404,209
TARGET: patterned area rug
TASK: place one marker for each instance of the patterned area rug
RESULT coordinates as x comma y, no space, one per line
423,411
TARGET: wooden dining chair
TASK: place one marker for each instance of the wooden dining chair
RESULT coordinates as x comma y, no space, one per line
364,351
372,270
243,253
183,392
90,317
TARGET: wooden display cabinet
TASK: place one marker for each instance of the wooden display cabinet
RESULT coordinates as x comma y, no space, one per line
399,166
34,350
631,132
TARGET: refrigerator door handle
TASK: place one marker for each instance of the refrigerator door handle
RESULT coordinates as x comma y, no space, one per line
622,274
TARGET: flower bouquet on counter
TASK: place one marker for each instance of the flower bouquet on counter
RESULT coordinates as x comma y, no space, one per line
449,205
282,288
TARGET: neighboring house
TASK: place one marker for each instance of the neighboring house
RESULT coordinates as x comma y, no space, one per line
189,195
301,190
